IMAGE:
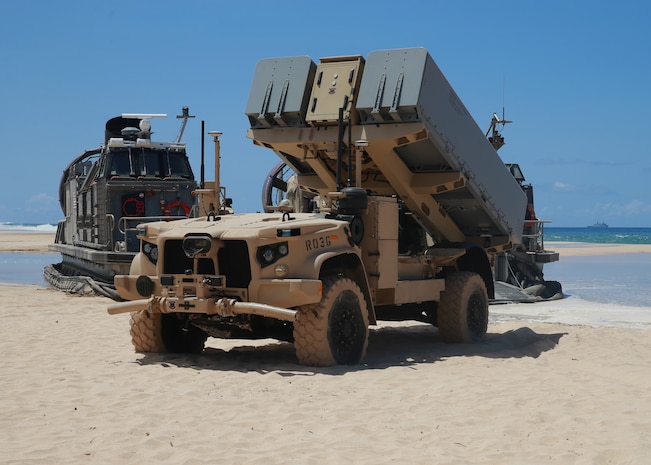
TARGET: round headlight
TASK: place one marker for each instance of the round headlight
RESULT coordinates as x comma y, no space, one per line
269,255
151,251
282,249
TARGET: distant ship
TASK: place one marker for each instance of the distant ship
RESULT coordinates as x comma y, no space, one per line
600,224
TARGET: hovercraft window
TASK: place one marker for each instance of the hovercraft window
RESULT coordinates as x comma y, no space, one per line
121,164
149,163
177,165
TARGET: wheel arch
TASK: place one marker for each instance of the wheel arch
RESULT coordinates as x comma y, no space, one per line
476,260
350,266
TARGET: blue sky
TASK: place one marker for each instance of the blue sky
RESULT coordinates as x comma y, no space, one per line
573,75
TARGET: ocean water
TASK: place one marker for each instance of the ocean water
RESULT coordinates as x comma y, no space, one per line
25,268
599,235
9,227
623,279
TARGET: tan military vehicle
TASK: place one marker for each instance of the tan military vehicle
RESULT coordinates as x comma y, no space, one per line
396,204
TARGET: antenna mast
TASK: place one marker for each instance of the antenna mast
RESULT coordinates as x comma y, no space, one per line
496,139
185,115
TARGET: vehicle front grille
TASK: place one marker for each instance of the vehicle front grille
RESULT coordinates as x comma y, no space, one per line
233,262
176,262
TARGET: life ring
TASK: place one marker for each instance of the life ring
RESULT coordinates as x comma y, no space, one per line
531,215
174,204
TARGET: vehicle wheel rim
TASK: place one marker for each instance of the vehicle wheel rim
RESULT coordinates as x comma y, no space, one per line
345,327
476,317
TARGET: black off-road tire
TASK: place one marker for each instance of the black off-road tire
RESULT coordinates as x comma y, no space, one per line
156,332
463,308
334,331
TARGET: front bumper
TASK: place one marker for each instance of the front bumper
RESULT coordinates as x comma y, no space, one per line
282,293
223,307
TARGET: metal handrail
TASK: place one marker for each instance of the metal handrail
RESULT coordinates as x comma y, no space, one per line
123,226
539,236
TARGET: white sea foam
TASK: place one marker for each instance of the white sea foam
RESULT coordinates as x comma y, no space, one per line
7,227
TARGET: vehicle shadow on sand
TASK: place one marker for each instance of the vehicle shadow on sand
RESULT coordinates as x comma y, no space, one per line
388,347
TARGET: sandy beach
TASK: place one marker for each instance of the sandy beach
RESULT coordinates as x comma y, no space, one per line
554,382
577,249
25,242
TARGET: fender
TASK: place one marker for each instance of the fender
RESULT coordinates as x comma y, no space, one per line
349,264
476,260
